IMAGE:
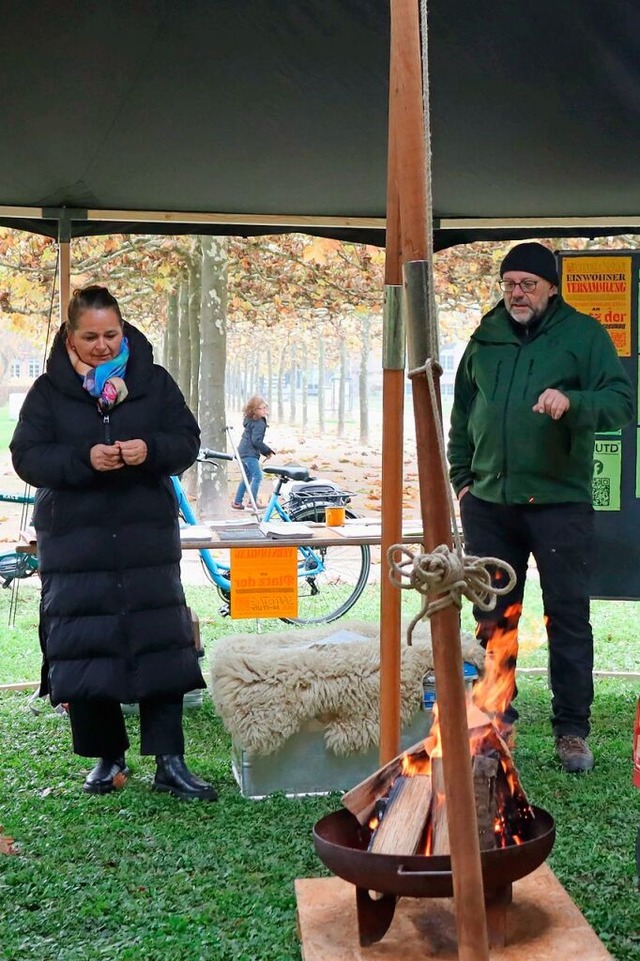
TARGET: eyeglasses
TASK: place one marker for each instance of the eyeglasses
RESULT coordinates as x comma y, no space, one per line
526,286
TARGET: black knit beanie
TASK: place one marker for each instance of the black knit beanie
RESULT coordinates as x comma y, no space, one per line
532,258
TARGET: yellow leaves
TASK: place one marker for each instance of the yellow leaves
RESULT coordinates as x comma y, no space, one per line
320,250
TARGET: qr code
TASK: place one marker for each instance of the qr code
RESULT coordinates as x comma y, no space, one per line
601,491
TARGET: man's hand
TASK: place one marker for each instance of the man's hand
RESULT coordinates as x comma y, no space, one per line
552,402
105,457
134,452
462,492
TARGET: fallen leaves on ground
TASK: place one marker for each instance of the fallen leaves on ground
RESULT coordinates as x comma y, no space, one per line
7,844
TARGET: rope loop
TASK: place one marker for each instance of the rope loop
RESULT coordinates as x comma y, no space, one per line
444,577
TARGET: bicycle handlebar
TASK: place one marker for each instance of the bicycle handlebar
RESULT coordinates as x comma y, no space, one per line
205,453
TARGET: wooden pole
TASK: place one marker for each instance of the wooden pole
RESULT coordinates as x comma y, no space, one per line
393,382
408,133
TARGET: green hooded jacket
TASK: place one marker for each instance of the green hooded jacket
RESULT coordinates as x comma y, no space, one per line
498,446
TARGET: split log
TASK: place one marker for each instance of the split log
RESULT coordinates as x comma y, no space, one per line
485,770
405,817
361,799
439,823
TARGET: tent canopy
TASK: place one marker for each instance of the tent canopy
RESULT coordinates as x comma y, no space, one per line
249,116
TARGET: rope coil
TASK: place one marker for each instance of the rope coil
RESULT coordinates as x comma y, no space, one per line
444,577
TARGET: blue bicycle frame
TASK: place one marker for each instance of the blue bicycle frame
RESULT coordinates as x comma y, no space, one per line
309,565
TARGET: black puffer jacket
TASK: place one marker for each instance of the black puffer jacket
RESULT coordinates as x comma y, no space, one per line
114,623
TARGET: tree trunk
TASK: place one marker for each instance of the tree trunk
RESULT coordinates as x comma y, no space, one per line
281,385
171,361
363,380
255,373
304,386
212,488
321,382
292,385
245,380
195,286
342,387
184,348
269,393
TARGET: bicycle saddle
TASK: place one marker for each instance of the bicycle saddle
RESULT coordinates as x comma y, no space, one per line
292,472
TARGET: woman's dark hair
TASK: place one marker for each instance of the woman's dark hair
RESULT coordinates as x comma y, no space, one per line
90,298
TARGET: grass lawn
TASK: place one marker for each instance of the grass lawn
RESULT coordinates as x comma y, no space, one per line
137,876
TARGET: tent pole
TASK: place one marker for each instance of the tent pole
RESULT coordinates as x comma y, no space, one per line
64,277
409,134
64,262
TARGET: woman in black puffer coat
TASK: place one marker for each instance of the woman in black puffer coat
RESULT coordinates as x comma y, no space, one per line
99,435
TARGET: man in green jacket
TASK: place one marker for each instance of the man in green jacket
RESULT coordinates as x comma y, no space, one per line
535,383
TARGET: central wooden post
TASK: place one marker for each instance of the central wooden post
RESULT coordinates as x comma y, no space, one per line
407,146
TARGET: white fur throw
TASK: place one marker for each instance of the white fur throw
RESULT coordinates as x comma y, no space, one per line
267,686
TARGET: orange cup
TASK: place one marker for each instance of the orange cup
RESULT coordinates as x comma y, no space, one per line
335,516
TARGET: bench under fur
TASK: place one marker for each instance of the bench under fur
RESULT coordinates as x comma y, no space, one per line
266,687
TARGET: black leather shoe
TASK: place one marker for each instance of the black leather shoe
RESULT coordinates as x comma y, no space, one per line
174,777
109,774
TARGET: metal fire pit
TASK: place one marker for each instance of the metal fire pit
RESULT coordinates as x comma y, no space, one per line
341,843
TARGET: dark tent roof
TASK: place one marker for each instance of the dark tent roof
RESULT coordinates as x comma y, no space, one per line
274,113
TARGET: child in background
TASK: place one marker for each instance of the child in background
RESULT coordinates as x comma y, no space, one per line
250,448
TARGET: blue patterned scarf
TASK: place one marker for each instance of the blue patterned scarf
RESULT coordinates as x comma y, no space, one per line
106,380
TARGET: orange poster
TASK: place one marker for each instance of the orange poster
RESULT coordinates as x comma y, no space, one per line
264,582
601,286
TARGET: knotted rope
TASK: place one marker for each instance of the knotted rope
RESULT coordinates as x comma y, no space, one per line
444,577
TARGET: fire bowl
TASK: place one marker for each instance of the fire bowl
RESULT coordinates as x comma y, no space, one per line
341,842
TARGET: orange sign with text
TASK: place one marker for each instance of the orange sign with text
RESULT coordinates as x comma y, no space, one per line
264,582
601,286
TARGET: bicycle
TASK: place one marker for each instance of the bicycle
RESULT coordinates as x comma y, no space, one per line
15,566
330,579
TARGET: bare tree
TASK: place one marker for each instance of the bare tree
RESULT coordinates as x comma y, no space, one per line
213,335
363,379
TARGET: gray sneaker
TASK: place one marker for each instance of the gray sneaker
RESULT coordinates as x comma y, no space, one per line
574,754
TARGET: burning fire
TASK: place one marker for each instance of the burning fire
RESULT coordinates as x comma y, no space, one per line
490,737
494,691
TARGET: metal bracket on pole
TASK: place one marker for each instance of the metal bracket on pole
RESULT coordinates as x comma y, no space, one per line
394,339
422,328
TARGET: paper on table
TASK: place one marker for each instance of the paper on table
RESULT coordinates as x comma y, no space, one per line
245,523
365,530
195,532
293,529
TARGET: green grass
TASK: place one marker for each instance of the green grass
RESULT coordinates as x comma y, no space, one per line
7,427
137,876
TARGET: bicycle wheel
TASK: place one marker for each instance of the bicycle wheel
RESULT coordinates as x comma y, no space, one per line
222,592
327,595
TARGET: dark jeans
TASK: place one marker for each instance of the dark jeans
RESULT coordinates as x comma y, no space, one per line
559,537
98,728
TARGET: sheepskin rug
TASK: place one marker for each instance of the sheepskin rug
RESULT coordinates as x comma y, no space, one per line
266,687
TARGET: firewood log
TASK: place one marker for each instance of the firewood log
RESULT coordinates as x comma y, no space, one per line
405,817
439,823
361,799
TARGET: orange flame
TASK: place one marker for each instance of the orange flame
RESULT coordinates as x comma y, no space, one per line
489,698
494,691
414,764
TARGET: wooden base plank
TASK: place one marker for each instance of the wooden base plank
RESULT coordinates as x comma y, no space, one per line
543,924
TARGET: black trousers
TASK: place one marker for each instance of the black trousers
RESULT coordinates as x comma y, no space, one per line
98,728
559,537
